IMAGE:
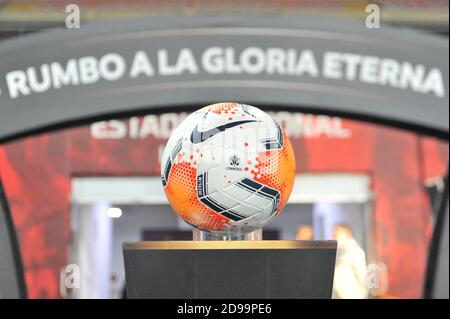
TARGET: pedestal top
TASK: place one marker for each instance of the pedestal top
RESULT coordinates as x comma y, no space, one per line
211,245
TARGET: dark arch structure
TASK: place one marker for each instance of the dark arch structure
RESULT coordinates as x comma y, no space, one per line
63,78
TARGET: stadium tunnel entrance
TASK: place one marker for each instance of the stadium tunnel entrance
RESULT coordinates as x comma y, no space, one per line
108,211
133,92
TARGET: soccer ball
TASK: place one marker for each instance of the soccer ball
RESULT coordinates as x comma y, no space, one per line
228,169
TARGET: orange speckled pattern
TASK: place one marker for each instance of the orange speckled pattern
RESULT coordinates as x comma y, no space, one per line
220,108
182,195
276,168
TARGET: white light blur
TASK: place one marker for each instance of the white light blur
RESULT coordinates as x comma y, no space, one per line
114,212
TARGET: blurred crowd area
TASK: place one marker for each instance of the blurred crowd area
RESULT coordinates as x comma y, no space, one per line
23,16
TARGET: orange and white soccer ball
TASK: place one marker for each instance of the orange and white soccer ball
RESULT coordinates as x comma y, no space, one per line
228,169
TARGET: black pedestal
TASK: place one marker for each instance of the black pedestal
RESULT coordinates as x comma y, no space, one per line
227,269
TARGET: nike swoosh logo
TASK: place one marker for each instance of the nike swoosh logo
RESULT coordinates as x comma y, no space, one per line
199,137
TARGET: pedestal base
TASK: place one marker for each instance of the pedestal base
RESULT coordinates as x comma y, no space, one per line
229,269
